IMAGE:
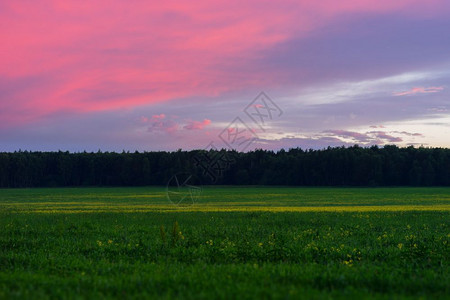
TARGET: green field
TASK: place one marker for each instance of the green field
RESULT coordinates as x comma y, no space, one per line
233,243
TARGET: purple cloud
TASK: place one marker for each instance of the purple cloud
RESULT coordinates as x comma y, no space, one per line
359,137
160,123
385,137
367,138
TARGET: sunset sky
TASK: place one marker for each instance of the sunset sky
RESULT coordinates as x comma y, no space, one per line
163,75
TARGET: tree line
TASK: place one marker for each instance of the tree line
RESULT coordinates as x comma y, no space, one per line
339,166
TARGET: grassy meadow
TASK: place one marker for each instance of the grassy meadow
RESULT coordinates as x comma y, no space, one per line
234,242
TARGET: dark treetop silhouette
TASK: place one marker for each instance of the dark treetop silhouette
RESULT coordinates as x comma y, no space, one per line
353,166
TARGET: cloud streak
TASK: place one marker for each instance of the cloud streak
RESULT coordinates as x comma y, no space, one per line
419,90
370,137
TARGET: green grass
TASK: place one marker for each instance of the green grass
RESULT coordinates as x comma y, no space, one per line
233,243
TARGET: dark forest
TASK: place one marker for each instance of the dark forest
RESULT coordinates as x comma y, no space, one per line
352,166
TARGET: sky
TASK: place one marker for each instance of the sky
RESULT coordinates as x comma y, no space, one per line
167,75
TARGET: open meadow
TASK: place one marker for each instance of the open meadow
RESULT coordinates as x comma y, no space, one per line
246,242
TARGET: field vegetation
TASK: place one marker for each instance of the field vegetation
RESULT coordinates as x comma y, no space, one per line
233,242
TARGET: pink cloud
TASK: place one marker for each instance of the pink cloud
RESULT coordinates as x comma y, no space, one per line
419,90
168,124
158,117
108,55
196,125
